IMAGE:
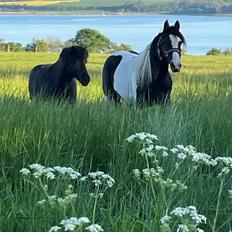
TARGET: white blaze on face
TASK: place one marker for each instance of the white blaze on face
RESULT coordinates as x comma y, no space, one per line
175,40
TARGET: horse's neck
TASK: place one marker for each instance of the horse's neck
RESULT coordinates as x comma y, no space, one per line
159,66
61,78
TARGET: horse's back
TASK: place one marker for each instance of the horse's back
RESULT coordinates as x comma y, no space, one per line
38,79
108,71
124,76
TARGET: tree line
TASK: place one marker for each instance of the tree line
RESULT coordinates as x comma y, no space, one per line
93,40
175,7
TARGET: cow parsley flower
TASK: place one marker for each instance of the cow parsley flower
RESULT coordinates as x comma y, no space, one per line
54,229
25,171
224,172
230,194
226,161
137,173
191,212
99,178
182,228
71,223
94,228
165,219
144,137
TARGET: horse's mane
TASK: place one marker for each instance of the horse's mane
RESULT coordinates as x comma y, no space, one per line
143,70
148,63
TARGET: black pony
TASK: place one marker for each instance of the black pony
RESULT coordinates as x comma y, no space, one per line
144,78
58,79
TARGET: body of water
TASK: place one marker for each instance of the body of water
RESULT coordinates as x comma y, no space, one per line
202,32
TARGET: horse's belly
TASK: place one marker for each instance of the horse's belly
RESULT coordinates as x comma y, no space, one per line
124,81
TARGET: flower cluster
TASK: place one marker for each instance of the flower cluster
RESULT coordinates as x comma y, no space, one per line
226,164
94,228
188,216
71,224
101,182
183,152
230,194
38,171
142,137
99,178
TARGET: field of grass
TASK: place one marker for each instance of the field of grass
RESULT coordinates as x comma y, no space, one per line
33,2
91,136
81,3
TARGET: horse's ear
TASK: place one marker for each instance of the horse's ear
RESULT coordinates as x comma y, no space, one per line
166,25
177,25
64,54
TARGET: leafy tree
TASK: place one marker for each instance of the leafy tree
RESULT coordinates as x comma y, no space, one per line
54,45
118,47
93,40
14,47
37,45
214,52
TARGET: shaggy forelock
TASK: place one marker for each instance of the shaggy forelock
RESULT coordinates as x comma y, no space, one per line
172,31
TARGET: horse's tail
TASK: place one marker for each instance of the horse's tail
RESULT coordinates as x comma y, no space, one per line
108,78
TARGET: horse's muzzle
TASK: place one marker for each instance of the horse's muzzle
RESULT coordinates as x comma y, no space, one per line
85,80
174,68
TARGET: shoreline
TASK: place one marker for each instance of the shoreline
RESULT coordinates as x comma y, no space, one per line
102,13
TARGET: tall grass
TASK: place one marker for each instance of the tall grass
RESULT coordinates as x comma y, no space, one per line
91,136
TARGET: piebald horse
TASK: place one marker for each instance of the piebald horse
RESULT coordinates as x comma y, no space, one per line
144,78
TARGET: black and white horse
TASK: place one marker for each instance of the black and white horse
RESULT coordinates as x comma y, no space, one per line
144,78
58,79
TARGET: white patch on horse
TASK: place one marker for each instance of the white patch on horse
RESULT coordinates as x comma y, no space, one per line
175,55
132,69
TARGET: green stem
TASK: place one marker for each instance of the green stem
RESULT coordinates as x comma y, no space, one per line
42,186
95,205
150,178
218,204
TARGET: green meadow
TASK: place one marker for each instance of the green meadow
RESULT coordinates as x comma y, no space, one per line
91,136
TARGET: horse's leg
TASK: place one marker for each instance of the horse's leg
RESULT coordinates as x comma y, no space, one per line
71,92
108,78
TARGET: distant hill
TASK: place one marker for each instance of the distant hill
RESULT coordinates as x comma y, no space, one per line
123,6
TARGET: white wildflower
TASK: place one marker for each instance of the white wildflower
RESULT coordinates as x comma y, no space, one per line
100,177
71,223
174,150
165,219
84,178
161,148
224,171
25,171
54,229
94,228
36,166
143,137
41,203
151,173
83,220
181,156
191,212
137,173
230,193
179,212
50,175
94,175
97,182
165,154
227,161
182,228
199,230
